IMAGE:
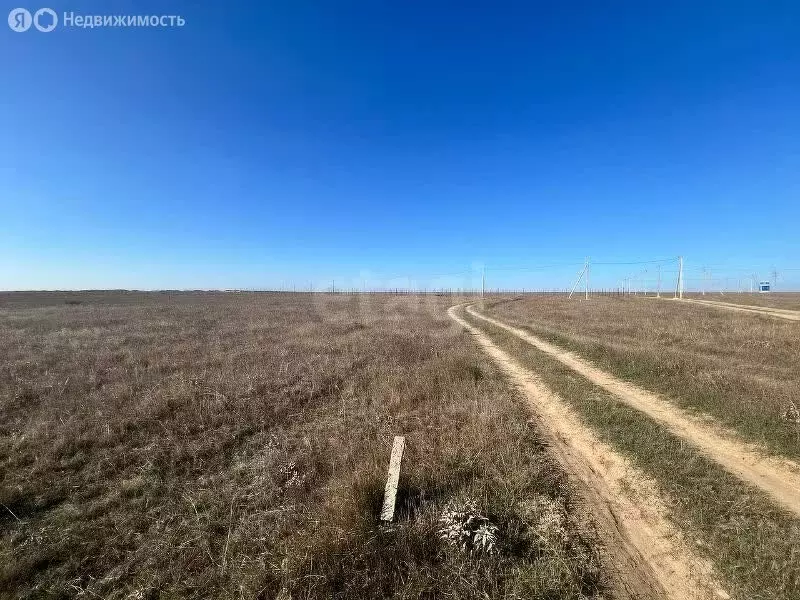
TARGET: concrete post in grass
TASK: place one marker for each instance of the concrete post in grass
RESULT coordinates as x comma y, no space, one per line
390,493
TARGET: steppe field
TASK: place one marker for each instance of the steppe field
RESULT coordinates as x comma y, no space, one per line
782,300
235,445
703,401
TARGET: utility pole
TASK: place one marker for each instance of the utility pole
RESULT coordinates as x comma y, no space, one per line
658,289
587,279
774,279
483,282
679,288
580,276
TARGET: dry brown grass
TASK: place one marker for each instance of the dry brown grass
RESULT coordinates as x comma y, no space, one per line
235,445
742,369
753,542
784,300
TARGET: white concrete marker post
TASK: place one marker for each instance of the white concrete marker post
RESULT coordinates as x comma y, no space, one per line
390,494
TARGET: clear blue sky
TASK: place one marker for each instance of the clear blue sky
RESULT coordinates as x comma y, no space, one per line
279,143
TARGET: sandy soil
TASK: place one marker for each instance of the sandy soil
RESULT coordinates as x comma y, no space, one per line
778,477
781,313
646,552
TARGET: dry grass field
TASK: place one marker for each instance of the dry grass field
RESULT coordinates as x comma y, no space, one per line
235,446
743,369
783,300
719,365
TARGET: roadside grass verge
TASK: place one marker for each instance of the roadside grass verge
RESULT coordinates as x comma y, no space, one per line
741,369
753,544
236,445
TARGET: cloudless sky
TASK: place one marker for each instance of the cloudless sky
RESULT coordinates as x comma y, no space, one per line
290,143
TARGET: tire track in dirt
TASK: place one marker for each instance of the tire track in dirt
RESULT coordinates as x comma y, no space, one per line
778,477
780,313
648,554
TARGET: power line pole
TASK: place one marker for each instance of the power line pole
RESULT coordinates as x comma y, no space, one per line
580,276
658,289
774,279
679,288
587,279
483,282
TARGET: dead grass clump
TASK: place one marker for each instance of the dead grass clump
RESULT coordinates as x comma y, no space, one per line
792,414
464,526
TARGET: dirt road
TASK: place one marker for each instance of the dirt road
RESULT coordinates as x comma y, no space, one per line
647,553
780,313
780,478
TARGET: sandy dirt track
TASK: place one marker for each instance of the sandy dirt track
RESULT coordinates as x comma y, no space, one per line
778,477
780,313
647,554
